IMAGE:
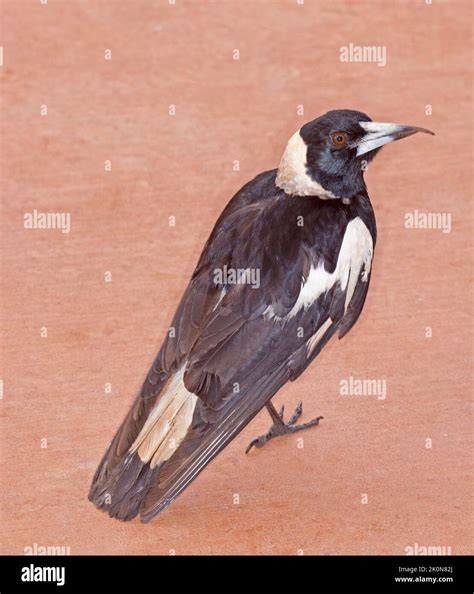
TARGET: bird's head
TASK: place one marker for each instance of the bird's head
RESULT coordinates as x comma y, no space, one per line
327,157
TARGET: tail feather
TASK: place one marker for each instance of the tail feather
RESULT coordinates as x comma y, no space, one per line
122,479
149,436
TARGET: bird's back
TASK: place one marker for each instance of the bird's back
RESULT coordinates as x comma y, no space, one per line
234,344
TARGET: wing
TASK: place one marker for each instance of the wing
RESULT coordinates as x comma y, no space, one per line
234,345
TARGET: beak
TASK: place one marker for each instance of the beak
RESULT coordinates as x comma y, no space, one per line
377,134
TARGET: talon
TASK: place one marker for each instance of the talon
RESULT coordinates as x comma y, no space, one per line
250,446
282,410
256,443
313,422
297,414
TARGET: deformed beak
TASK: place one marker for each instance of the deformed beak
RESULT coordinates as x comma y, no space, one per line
377,134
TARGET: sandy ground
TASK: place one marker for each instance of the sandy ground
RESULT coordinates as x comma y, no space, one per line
366,481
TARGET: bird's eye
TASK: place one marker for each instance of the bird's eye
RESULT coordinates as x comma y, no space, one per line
339,138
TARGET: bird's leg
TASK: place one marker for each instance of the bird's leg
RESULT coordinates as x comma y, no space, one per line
279,426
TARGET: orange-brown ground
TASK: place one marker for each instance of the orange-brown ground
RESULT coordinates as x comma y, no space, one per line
291,499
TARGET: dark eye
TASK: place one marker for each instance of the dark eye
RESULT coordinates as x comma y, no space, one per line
339,138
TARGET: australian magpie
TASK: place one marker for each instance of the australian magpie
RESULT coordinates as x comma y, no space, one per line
286,266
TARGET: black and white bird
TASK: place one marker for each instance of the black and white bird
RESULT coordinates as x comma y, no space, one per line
286,266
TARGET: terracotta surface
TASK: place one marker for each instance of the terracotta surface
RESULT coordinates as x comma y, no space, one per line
291,499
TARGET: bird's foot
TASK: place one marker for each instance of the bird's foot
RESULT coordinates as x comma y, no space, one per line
279,427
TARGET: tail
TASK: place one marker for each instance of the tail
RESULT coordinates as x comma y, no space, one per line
122,478
167,440
149,436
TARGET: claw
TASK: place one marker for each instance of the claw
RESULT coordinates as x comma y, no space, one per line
257,443
297,414
250,446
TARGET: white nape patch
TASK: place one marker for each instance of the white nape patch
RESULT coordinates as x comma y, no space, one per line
167,423
312,342
355,256
292,176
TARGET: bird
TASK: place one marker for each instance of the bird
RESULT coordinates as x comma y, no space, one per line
286,266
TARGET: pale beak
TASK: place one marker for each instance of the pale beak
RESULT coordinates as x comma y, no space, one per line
378,134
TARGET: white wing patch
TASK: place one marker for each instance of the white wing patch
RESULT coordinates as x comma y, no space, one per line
354,259
167,423
312,342
354,262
